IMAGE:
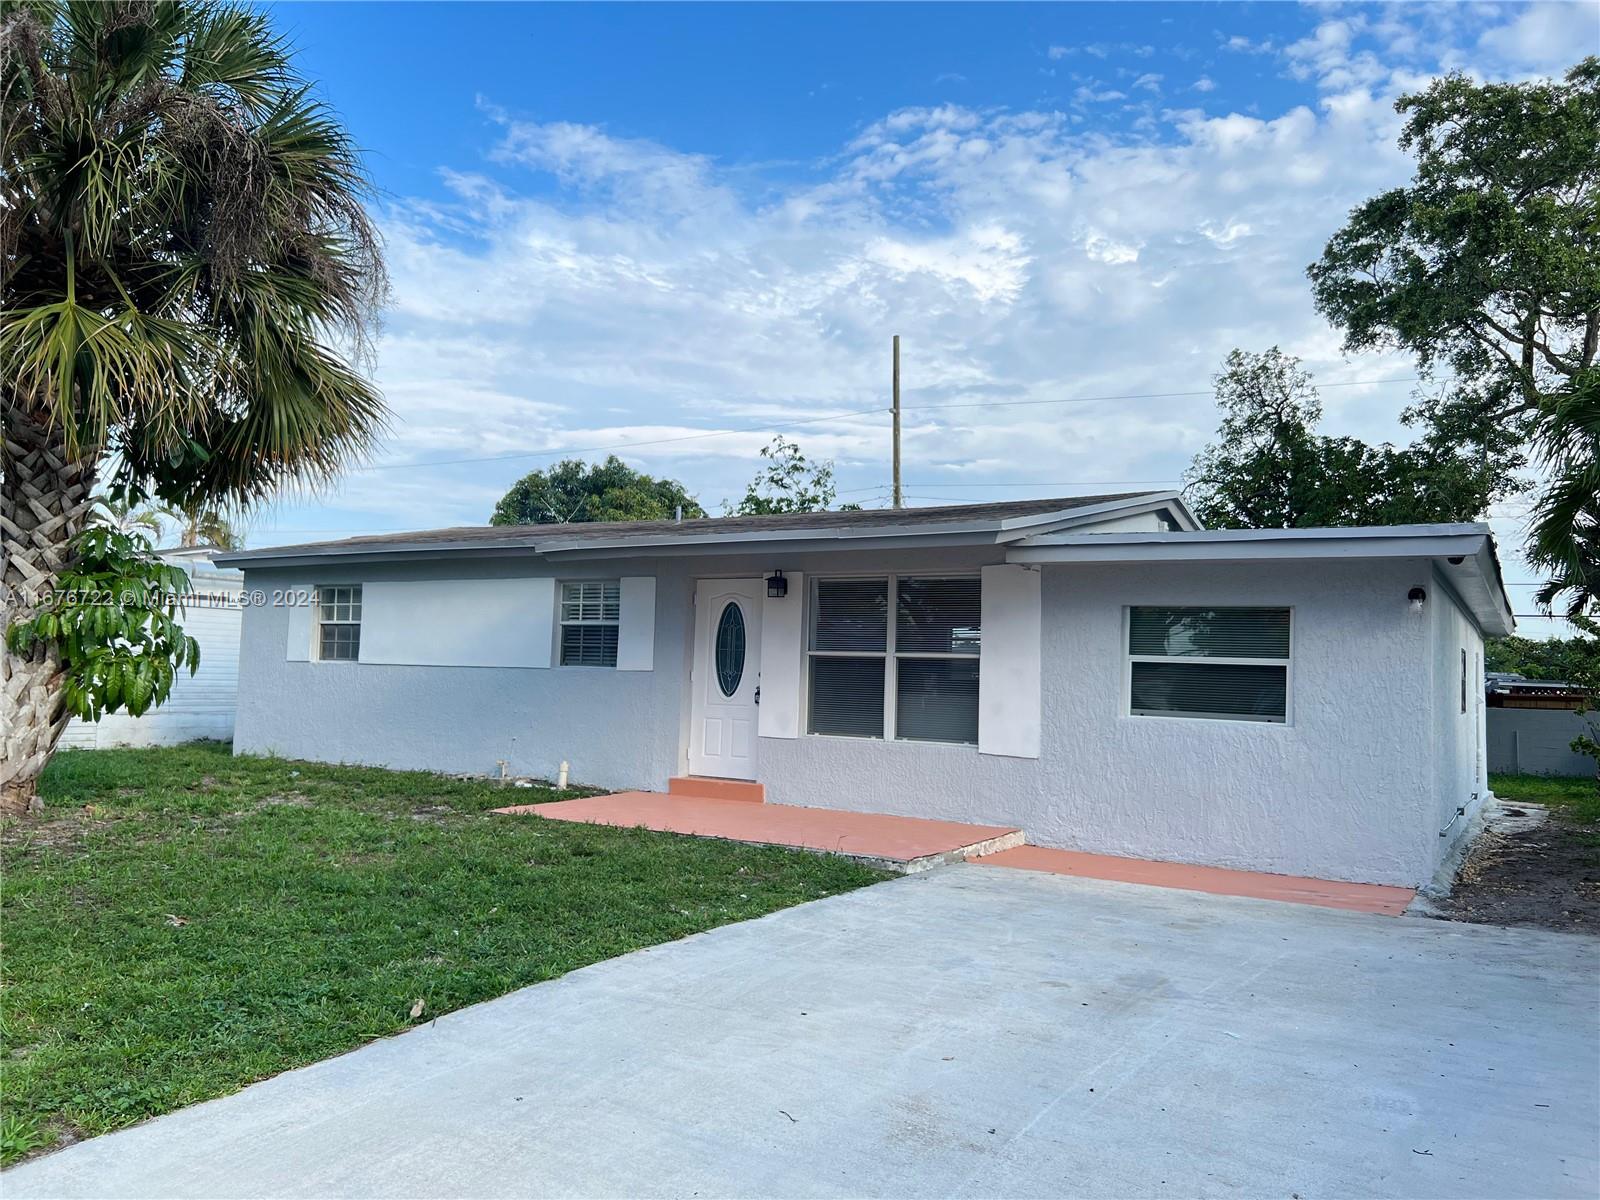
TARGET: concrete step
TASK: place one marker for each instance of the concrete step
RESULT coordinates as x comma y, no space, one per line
706,788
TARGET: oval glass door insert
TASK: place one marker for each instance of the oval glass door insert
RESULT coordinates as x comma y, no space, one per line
730,649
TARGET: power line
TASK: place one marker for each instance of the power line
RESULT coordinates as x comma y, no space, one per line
866,412
689,437
1140,396
928,483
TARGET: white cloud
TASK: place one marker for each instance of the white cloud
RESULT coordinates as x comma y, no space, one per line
1204,84
1149,81
586,290
1549,36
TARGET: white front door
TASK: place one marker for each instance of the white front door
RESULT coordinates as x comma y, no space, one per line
726,682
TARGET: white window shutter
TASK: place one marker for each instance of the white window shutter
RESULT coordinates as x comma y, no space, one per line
542,620
636,635
782,659
301,624
1008,673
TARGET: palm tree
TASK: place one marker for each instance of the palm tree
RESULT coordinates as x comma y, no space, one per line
1564,526
207,526
184,252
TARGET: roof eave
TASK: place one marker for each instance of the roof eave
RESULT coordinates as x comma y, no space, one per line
955,532
1463,554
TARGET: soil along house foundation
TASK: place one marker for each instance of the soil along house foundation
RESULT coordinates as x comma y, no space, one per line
1098,671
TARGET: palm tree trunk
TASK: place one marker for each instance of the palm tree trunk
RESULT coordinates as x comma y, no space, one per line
44,498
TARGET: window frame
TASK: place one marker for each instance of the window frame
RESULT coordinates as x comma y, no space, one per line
1129,658
356,602
562,621
889,654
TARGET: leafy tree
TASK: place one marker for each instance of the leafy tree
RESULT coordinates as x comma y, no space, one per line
1271,469
112,624
187,267
573,490
789,483
1537,658
1489,264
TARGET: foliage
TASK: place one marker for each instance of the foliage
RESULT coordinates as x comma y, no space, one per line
112,619
192,922
1270,468
1536,658
573,490
789,483
1489,264
184,247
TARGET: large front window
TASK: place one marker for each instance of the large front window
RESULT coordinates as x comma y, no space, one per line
1227,664
914,677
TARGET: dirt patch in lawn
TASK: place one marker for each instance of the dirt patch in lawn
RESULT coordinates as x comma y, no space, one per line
1547,876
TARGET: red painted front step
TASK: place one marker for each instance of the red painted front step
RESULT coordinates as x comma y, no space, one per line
706,788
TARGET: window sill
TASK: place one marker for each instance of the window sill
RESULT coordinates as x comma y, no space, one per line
882,741
1233,722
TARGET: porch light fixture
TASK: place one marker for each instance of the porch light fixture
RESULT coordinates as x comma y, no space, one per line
777,586
1416,595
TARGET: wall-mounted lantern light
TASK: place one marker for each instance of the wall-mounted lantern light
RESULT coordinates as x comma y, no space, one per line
777,586
1416,595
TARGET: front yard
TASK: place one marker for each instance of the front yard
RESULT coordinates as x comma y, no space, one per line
180,922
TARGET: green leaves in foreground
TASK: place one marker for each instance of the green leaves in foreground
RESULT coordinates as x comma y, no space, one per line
113,621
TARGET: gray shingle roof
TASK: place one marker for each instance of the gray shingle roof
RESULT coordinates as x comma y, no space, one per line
787,524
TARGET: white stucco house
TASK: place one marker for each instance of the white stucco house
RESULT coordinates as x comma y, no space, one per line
1098,670
200,705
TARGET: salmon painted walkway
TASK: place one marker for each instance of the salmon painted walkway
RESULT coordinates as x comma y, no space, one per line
916,843
1219,881
902,843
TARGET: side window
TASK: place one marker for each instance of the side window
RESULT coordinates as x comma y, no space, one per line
1226,664
339,623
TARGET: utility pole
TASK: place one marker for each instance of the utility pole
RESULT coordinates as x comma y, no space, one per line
899,500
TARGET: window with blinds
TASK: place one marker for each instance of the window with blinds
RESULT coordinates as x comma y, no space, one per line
910,675
591,616
339,623
1213,663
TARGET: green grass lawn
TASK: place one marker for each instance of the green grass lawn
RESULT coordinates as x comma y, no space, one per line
181,922
1576,799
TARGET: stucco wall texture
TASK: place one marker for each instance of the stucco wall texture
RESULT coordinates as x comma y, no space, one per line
1351,788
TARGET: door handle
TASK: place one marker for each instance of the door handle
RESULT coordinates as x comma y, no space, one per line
758,695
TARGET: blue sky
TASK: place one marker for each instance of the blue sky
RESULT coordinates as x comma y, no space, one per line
629,226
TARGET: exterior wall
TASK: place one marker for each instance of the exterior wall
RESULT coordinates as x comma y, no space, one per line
200,705
615,728
1346,791
1537,741
1460,765
1350,789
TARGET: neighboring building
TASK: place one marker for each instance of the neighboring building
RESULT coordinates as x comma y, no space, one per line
1097,670
1532,724
200,705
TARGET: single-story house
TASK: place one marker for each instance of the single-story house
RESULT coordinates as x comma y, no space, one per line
1098,670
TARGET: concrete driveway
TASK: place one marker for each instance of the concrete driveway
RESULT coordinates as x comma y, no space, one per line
967,1032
